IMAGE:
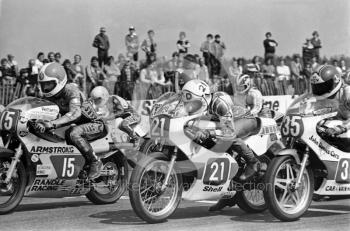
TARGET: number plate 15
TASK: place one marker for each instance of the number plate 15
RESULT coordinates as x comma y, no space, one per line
160,126
9,119
292,126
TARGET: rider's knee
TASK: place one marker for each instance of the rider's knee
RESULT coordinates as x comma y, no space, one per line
73,134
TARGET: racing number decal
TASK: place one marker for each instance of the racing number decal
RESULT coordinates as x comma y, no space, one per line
292,126
8,120
216,171
159,126
68,167
343,172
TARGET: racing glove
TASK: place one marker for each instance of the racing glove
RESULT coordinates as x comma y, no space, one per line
333,132
42,126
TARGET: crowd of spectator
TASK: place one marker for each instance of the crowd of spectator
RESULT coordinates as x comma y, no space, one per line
133,77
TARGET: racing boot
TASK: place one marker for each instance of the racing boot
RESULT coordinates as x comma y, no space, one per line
252,167
95,167
222,203
135,139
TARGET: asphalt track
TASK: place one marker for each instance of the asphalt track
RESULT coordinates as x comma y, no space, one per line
80,214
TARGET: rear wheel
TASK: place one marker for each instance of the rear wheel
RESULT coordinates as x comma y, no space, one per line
149,201
112,183
285,201
251,197
11,193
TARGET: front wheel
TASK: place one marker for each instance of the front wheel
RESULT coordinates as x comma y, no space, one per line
150,201
284,200
11,194
112,183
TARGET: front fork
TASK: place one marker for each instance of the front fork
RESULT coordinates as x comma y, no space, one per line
302,168
171,166
13,164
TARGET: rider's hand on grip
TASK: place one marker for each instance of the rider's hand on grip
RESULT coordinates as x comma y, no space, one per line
42,126
338,130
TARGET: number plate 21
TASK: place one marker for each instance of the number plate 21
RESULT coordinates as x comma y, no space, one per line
160,126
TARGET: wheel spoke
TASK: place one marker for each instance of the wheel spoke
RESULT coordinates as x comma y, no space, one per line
281,183
145,190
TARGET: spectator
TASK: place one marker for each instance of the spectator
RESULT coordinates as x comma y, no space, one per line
220,47
270,46
336,64
149,46
28,78
283,77
307,72
39,61
132,44
80,78
203,71
208,50
70,73
51,56
7,75
13,64
151,80
240,63
299,82
269,73
58,57
314,63
343,67
46,61
121,61
234,72
101,42
316,43
112,74
94,74
128,77
185,73
182,44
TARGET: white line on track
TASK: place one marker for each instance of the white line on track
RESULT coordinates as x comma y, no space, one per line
207,202
328,211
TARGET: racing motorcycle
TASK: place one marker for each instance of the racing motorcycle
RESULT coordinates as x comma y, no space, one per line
312,163
181,168
43,165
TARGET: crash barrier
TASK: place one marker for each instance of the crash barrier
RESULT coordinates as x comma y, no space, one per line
9,92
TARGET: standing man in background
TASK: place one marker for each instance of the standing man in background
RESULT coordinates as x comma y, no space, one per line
270,46
132,44
182,44
149,46
316,43
101,42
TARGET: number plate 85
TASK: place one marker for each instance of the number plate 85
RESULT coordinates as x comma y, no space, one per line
292,126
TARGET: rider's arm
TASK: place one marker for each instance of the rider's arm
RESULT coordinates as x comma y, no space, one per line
256,102
71,116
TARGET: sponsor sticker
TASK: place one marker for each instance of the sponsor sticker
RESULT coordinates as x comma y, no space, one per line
43,170
35,158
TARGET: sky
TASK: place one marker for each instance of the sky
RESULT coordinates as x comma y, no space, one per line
69,26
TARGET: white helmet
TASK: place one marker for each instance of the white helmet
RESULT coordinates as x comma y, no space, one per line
243,83
99,96
196,90
52,79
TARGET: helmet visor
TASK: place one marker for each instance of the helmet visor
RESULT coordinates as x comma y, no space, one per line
48,86
322,88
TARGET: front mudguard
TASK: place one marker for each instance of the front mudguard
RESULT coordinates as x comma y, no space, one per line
289,152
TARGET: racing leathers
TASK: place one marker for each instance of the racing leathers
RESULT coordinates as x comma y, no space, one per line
343,98
253,100
235,123
76,110
117,107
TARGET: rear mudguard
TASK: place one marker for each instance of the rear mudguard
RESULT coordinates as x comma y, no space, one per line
6,153
289,152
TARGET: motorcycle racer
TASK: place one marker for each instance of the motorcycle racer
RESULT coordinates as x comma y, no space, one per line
233,126
326,83
250,97
113,106
74,109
